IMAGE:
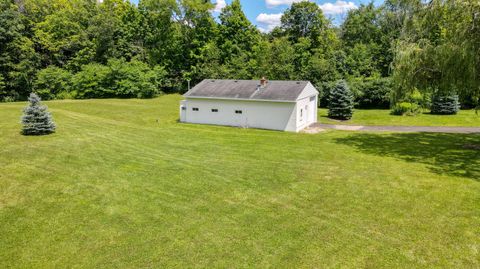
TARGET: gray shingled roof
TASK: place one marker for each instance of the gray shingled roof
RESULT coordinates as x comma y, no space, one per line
248,89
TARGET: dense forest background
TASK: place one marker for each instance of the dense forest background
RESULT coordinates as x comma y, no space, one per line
113,48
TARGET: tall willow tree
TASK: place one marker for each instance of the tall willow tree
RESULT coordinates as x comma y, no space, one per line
467,35
439,51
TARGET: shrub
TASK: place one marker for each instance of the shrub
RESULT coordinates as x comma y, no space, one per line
91,82
36,119
5,95
65,95
445,104
119,78
372,92
467,102
52,82
134,79
406,108
368,93
8,99
340,102
421,99
3,90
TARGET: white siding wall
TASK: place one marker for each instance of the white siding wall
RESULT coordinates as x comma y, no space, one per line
183,111
255,114
306,110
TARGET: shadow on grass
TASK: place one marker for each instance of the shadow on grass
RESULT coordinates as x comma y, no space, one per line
447,154
336,120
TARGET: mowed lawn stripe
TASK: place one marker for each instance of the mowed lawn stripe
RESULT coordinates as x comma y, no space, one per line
122,184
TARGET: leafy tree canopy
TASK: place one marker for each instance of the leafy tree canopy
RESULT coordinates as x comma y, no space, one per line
113,48
305,20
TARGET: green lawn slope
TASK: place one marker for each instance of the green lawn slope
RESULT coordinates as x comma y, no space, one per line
121,184
465,118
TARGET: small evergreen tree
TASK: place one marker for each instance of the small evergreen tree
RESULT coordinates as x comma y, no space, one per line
36,119
340,102
445,104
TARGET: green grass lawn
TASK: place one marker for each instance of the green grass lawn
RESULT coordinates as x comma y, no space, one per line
123,185
467,118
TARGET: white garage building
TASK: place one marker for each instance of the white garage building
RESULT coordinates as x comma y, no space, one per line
277,105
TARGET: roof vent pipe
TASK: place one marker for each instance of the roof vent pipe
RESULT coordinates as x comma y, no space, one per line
263,82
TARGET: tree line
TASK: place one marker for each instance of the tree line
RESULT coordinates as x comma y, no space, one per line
113,48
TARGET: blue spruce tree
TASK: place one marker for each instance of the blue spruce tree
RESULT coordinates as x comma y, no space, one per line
445,104
36,119
340,102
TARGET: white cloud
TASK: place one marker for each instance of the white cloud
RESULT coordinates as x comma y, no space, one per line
219,5
274,3
338,7
268,21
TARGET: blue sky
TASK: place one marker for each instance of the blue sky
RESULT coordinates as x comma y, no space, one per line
266,13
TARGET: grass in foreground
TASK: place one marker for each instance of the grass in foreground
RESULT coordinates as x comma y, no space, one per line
122,184
467,118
